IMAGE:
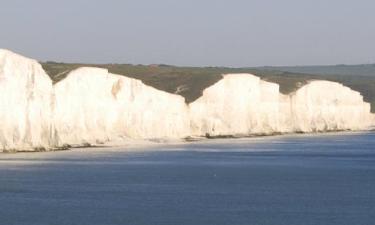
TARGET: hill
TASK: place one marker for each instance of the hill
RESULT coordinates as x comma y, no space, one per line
350,70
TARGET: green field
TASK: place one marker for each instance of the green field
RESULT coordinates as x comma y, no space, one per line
191,81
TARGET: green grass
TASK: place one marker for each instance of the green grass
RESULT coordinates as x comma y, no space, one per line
196,79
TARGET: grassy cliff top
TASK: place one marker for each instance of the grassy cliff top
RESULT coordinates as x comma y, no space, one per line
190,82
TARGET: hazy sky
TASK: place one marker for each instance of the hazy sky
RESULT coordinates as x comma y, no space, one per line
191,32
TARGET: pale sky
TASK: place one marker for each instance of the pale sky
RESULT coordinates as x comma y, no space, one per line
191,32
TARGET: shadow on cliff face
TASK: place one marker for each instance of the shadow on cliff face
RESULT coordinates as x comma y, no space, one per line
190,82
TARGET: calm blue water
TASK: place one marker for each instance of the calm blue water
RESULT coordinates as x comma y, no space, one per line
290,180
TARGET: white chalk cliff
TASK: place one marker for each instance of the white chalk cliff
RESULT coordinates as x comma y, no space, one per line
92,106
243,104
239,104
327,106
26,100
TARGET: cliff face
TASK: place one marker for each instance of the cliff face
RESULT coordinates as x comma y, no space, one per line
245,105
328,106
92,106
26,100
239,104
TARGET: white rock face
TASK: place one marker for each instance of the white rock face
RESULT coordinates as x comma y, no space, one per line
328,106
239,104
242,104
26,101
94,106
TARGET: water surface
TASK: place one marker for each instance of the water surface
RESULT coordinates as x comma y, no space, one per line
286,180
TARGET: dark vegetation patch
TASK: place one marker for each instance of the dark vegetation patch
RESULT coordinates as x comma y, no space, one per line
190,82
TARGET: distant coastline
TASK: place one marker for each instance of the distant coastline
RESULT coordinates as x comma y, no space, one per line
91,106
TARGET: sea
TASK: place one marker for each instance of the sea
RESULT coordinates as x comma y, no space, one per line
320,179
